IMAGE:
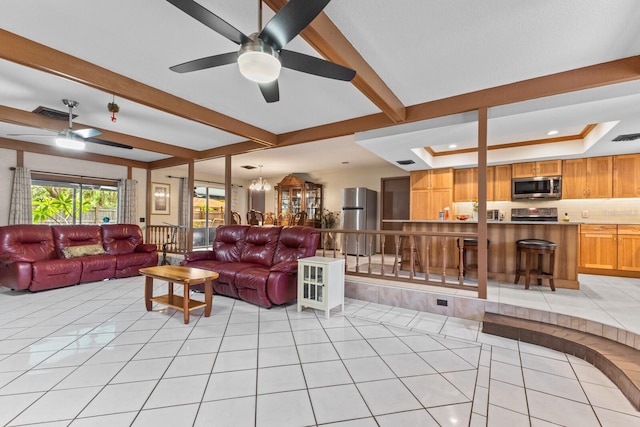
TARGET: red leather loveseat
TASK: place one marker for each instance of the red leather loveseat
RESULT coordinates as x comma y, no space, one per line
257,264
39,257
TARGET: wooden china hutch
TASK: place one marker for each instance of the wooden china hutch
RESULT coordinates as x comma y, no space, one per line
294,195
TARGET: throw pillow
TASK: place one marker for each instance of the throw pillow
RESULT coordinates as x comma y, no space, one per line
85,250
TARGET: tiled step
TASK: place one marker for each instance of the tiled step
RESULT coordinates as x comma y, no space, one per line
617,361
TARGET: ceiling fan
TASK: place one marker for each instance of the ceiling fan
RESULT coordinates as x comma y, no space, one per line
261,55
69,138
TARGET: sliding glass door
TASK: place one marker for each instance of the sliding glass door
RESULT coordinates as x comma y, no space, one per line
208,214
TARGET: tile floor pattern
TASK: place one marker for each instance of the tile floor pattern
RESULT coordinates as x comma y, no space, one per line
90,355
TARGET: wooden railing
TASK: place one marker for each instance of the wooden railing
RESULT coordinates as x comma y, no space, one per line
168,238
427,258
433,258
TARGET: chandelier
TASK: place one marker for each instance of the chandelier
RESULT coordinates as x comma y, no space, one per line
260,184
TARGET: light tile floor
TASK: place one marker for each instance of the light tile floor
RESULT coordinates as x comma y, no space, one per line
91,355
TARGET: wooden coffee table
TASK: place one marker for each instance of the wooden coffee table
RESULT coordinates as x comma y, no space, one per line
186,276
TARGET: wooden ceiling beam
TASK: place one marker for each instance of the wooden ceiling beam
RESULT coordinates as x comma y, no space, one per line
607,73
323,35
31,147
40,57
26,118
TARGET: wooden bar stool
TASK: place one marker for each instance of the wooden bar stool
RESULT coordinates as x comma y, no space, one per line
469,244
405,254
530,248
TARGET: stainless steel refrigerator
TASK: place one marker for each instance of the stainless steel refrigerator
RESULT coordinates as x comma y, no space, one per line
359,212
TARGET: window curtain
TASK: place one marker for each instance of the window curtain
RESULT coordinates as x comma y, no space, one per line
20,208
127,201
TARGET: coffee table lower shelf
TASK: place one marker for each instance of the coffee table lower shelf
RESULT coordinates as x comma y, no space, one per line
176,301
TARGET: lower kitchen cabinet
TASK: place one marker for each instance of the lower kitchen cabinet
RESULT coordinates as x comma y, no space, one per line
615,248
598,247
629,247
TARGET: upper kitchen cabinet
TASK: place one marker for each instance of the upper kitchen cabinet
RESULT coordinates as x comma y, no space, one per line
499,183
431,192
465,184
546,168
297,195
626,175
432,179
590,178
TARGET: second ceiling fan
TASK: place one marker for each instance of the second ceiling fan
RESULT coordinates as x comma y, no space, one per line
261,55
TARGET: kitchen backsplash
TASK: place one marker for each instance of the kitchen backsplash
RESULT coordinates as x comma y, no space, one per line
616,211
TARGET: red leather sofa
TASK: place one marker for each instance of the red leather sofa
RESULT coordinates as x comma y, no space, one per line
38,257
257,264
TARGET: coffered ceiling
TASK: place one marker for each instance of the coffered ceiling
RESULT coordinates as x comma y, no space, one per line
537,66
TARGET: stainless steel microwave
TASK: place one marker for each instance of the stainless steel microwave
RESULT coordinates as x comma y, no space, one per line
538,187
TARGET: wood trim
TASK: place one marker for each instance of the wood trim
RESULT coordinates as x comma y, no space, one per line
20,158
42,58
30,147
326,39
579,136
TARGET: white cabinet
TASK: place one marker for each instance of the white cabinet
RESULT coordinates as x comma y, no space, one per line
321,283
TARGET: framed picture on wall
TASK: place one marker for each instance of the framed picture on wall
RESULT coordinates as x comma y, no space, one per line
160,199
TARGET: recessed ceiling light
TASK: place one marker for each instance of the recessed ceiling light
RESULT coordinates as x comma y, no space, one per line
453,145
552,132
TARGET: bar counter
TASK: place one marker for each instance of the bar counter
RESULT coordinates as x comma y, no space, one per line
502,249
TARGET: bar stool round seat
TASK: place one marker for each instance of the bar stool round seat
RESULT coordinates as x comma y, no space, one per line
469,244
534,250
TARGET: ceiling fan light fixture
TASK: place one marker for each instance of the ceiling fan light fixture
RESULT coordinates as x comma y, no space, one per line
258,61
66,139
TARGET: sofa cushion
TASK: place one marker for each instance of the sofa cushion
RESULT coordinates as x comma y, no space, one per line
81,251
260,246
296,242
127,265
28,243
121,238
97,267
66,236
55,273
229,242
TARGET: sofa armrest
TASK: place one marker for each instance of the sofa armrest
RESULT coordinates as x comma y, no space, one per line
199,256
286,267
146,247
8,258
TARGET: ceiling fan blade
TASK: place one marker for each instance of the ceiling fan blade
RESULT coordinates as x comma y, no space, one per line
209,19
312,65
270,91
109,143
86,133
292,18
30,134
204,63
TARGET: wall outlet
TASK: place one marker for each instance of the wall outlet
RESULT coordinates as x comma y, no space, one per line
585,214
442,302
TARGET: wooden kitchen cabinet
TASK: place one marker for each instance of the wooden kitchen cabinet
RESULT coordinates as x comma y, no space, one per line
598,248
529,169
590,178
626,175
499,183
628,248
465,185
431,192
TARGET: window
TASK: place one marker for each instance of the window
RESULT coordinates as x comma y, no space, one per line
208,213
78,201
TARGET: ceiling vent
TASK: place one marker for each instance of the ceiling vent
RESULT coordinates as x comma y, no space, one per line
405,162
248,167
626,138
53,114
